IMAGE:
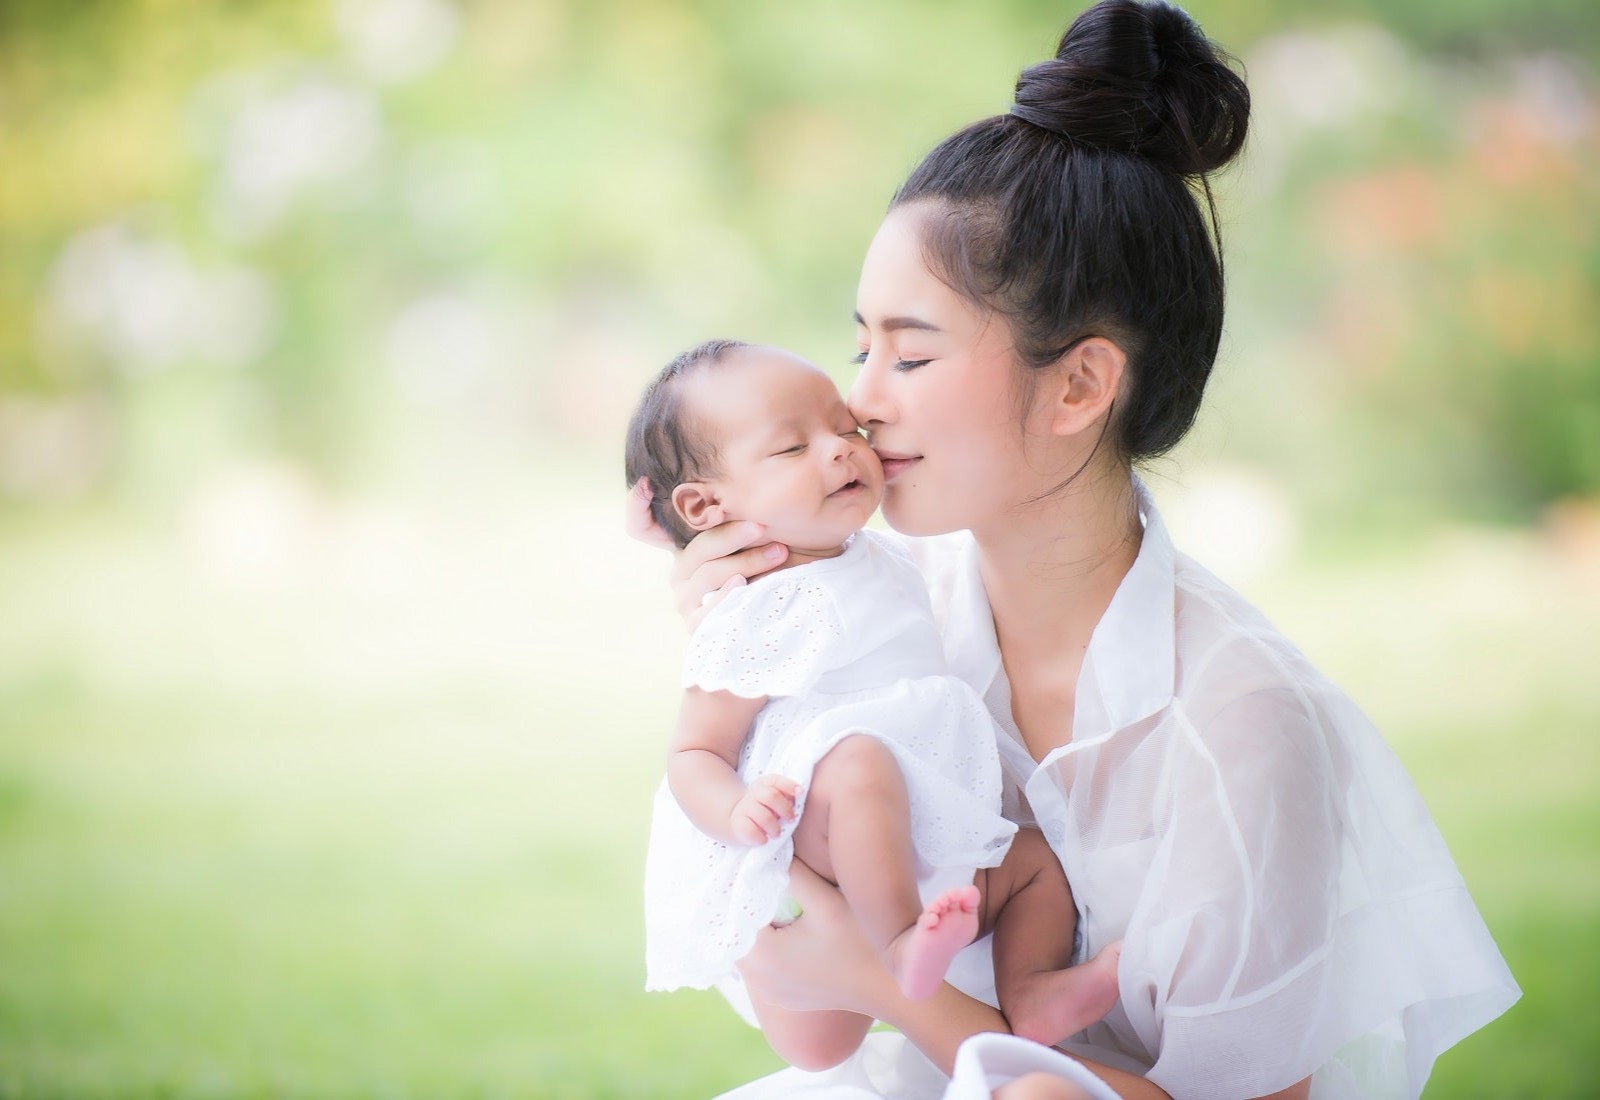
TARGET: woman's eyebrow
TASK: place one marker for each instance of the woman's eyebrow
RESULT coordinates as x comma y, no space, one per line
895,324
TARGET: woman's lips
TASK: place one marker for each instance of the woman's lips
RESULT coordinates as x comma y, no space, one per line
894,465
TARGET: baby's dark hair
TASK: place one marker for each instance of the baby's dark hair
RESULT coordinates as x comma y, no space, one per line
663,446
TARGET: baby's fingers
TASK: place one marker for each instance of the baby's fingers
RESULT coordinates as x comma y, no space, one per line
760,824
781,805
746,831
778,794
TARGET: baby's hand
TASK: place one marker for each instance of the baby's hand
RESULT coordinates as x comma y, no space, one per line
766,805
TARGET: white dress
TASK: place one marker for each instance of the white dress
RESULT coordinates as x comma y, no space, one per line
1286,906
842,646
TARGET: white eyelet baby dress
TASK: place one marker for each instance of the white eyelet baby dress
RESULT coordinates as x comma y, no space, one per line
842,646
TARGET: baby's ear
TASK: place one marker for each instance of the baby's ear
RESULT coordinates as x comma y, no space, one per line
697,505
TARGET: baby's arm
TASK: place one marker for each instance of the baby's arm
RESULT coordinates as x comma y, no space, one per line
702,771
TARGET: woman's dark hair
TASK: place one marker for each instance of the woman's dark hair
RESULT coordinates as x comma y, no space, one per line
1077,213
662,446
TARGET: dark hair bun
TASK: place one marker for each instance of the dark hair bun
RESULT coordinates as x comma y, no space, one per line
1140,78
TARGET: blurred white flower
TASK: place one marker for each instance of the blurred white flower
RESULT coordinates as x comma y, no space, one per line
1560,103
1302,82
141,302
393,41
1328,78
281,145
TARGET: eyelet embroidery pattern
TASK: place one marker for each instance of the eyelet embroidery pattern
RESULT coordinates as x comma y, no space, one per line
767,643
781,638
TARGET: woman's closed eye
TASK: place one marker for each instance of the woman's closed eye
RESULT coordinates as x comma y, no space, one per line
899,364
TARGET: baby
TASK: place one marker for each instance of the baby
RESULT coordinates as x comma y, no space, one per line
818,721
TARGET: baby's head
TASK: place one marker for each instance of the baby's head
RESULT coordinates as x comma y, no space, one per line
733,431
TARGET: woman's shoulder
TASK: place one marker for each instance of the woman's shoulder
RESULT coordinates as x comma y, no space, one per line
1234,668
1215,622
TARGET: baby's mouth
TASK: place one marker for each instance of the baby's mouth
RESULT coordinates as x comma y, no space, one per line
847,487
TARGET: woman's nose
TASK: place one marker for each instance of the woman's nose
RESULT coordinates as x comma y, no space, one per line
868,401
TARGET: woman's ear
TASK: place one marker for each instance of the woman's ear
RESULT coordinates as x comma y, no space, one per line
1089,379
697,505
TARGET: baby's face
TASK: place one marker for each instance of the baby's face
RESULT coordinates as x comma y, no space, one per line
789,455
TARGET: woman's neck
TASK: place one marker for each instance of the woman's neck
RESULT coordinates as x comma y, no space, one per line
1050,572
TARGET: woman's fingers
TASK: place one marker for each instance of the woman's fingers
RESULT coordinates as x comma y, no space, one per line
639,523
718,544
714,562
720,559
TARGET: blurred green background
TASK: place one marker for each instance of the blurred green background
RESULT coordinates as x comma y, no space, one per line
331,695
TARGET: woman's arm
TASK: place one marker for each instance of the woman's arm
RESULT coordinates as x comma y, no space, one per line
823,961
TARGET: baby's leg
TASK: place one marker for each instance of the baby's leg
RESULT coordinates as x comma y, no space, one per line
811,1041
856,832
1028,904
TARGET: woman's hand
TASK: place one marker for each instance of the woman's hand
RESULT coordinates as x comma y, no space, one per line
713,563
820,961
639,523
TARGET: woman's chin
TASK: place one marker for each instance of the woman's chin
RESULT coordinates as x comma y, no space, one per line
909,521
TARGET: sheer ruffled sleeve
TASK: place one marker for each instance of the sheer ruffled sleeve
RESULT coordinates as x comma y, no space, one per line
1303,912
772,638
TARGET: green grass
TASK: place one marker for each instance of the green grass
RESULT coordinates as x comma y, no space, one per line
368,820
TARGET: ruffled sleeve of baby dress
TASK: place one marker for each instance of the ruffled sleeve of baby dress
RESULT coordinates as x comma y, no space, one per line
772,637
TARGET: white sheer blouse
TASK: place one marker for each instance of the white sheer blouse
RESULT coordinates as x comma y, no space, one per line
1286,905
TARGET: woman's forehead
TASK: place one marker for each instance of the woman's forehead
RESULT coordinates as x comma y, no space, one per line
898,290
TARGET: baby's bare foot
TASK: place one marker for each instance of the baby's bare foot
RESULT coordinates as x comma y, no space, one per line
921,954
1050,1005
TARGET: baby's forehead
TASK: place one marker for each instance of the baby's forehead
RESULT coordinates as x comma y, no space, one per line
753,388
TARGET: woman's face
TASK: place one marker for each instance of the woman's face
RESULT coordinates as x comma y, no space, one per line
937,393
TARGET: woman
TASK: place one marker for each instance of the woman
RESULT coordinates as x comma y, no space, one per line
1039,312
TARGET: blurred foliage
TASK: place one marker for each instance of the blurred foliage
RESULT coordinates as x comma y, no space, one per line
298,770
351,232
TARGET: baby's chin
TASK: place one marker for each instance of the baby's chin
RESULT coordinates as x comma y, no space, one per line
812,543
